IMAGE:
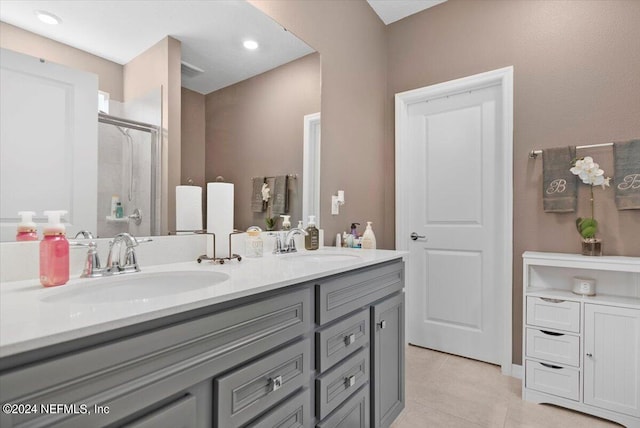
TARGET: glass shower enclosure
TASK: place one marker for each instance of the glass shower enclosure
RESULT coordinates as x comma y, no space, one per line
129,159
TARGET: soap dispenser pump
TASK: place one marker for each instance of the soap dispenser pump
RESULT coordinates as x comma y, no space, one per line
312,240
369,238
27,229
54,252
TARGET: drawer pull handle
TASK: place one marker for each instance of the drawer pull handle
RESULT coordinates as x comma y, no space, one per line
382,324
546,299
350,381
551,333
551,366
348,340
275,383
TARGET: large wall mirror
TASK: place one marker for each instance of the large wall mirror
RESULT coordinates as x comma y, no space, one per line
241,111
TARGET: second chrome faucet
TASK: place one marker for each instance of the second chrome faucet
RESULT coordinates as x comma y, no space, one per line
289,244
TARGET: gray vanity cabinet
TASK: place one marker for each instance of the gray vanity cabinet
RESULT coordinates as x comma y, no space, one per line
387,355
360,347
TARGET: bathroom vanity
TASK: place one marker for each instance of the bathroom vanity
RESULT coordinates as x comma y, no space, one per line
300,340
583,352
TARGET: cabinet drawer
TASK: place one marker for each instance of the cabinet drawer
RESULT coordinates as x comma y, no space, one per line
179,414
552,379
245,393
554,347
336,385
293,413
553,313
354,413
339,340
351,291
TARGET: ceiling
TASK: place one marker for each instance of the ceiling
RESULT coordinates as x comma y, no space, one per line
211,33
393,10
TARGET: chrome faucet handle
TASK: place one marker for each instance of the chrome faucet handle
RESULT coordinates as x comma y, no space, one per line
92,268
278,248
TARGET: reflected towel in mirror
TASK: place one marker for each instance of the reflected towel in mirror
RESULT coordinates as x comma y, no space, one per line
257,204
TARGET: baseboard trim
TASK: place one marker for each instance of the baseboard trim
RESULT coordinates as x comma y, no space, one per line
516,371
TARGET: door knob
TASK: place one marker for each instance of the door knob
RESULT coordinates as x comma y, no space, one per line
415,236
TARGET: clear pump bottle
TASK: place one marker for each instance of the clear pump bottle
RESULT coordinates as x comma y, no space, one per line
27,229
54,252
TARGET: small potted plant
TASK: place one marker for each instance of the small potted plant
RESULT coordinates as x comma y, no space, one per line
591,174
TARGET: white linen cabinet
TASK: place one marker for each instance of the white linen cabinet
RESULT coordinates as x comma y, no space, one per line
583,352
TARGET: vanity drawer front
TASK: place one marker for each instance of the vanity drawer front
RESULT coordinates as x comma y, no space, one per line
554,347
351,291
295,412
354,413
174,358
336,385
552,313
248,391
552,379
339,340
179,414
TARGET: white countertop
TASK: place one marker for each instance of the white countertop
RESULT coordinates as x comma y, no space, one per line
28,322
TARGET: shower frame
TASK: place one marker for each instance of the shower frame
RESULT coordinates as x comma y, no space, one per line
156,164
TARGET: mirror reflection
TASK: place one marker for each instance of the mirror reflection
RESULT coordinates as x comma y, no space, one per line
180,88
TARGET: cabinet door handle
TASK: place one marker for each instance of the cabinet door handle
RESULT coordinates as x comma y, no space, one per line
589,354
551,366
275,383
546,299
350,381
349,339
382,324
552,333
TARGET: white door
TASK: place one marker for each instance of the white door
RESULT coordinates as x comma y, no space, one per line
612,358
454,195
48,142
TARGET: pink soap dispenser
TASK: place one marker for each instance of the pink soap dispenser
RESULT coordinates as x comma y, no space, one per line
27,229
54,252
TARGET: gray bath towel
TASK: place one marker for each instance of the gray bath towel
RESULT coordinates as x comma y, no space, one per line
281,195
626,158
257,204
559,191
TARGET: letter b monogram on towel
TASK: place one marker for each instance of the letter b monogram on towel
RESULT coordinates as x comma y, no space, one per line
559,185
630,182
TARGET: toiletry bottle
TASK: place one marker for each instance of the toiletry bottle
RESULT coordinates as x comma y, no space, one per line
119,210
286,223
369,238
338,241
27,229
114,203
300,226
54,252
253,245
354,231
312,240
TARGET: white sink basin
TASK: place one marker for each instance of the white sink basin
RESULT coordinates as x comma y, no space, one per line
316,257
135,286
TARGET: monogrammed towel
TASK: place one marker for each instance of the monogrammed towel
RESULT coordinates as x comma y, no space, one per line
626,158
559,191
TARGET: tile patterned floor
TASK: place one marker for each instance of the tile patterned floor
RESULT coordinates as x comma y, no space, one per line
446,391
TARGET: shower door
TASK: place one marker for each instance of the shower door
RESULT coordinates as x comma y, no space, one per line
129,170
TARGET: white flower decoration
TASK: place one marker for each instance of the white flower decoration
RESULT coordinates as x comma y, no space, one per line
265,192
590,172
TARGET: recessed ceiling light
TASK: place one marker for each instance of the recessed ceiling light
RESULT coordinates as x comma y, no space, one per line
47,17
250,44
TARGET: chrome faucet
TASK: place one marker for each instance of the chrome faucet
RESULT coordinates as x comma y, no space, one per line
116,264
289,244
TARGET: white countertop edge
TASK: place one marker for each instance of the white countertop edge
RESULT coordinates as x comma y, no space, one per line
82,331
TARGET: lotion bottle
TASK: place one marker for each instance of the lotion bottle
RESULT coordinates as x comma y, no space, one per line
54,252
312,240
369,238
27,229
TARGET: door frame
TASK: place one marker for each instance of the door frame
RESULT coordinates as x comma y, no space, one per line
404,203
